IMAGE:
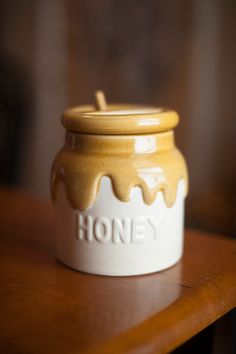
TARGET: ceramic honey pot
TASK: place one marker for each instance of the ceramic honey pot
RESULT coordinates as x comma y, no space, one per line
119,186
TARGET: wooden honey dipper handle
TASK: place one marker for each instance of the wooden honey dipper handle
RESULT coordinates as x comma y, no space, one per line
100,99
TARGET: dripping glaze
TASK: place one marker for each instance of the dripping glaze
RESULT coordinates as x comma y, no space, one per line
149,161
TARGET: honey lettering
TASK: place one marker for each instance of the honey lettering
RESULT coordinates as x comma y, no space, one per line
116,230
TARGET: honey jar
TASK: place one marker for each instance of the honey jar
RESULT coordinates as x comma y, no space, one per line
119,186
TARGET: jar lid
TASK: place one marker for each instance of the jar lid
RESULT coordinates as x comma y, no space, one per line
118,119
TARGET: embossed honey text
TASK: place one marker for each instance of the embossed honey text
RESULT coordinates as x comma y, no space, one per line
126,230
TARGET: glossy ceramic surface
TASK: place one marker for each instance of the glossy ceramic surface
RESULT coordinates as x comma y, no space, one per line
118,186
151,162
119,119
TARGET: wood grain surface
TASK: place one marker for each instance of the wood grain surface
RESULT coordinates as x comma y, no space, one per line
48,308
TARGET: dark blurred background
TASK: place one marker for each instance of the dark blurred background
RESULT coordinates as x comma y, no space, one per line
180,54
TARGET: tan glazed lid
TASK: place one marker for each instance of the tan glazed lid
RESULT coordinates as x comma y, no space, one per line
118,119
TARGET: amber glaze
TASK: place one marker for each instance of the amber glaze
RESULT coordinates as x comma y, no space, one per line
131,144
151,162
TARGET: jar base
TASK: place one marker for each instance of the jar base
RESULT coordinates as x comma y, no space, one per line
119,274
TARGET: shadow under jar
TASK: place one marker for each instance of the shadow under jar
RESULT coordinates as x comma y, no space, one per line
118,186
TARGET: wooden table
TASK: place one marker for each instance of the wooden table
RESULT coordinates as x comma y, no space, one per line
49,308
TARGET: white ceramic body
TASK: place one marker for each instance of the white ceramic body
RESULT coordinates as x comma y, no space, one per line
120,238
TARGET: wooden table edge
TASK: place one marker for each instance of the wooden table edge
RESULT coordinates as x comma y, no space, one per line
193,313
